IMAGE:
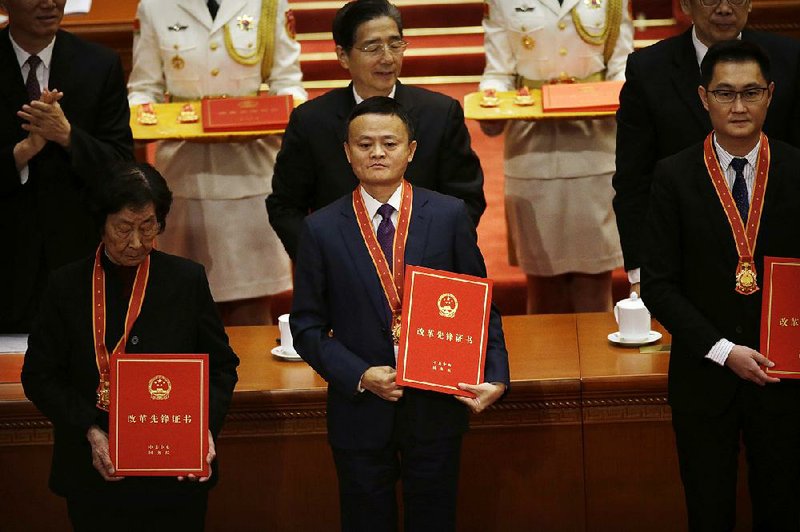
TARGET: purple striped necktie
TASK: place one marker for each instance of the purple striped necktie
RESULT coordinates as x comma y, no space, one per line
385,232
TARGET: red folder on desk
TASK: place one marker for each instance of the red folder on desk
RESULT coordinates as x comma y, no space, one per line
780,316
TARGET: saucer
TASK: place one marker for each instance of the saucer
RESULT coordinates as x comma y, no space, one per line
280,352
652,336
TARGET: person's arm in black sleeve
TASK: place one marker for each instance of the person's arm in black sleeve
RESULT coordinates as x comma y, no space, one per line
293,183
459,173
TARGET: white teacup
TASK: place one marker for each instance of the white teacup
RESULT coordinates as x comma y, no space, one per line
633,318
286,335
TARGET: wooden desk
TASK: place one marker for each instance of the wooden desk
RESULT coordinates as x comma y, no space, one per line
581,442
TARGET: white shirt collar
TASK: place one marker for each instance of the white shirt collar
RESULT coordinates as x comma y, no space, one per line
46,54
700,49
725,157
373,205
359,99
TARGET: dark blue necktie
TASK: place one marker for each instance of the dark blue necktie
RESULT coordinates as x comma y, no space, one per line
385,232
32,82
739,189
213,7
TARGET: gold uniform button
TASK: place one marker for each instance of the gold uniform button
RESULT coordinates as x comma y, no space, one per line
215,72
249,45
214,46
175,46
563,51
562,25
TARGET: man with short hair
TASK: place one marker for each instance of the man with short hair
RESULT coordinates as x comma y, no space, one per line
52,144
702,282
342,326
311,170
660,114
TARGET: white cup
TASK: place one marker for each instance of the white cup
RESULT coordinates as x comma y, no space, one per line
286,335
633,319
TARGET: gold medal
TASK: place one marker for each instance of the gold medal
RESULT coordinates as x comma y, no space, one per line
746,281
178,62
528,42
396,329
104,394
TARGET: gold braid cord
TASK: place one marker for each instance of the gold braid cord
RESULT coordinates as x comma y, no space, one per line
610,32
265,40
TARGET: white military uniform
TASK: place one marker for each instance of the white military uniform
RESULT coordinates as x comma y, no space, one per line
558,172
218,216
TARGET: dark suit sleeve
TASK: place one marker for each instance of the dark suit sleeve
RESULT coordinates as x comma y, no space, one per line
468,260
663,268
45,372
111,138
310,321
636,156
459,173
293,183
222,361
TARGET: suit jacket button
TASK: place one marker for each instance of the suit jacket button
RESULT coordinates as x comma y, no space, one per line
134,340
739,329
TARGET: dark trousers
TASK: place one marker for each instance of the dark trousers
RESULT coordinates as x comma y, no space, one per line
767,420
429,473
129,512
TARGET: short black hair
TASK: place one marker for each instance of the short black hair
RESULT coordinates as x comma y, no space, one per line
734,51
130,185
350,17
382,105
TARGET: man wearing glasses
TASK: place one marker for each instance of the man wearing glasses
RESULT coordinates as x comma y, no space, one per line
311,169
701,283
660,113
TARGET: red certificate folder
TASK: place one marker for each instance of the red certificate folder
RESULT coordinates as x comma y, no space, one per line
251,113
445,325
780,316
581,97
158,419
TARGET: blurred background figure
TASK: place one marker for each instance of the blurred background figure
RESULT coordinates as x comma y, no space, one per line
193,49
561,225
50,145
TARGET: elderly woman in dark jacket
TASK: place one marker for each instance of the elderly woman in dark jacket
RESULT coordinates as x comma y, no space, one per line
61,373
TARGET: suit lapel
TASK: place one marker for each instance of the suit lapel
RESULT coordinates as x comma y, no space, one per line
686,78
772,195
344,105
60,65
417,231
362,262
13,86
717,219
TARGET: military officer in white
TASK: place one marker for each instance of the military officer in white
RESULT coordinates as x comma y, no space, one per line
558,173
191,49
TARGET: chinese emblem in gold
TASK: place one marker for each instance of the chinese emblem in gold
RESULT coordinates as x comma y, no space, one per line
448,305
159,388
746,282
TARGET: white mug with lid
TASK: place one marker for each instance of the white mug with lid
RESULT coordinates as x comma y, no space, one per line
633,319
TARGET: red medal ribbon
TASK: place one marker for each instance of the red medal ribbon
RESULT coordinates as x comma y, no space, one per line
99,320
744,237
391,281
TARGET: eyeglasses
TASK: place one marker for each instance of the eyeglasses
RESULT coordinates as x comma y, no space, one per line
377,48
712,3
752,95
147,231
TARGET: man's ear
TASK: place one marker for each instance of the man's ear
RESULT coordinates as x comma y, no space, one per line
412,149
347,151
685,8
703,96
343,58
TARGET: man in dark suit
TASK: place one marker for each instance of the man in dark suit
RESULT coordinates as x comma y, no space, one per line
311,170
51,146
342,326
660,113
698,282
